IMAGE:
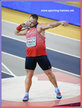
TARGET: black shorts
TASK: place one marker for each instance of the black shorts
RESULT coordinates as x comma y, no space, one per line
43,62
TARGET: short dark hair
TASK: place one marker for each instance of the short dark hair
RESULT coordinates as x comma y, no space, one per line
34,16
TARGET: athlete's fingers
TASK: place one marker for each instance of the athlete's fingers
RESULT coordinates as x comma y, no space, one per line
23,24
64,23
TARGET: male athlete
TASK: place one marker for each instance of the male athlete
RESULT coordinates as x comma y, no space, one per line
36,51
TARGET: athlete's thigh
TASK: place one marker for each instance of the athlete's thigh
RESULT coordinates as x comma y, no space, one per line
44,62
30,63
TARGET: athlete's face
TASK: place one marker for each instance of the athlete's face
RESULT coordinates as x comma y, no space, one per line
32,22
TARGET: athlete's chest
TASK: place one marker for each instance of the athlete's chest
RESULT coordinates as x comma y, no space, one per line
31,32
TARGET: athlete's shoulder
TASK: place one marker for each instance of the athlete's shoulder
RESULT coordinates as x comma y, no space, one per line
40,25
39,28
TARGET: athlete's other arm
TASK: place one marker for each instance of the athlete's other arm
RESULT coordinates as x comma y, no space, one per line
21,30
53,24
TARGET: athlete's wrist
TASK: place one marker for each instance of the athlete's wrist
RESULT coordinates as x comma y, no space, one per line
60,22
19,27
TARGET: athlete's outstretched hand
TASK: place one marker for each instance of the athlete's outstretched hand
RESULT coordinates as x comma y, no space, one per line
64,23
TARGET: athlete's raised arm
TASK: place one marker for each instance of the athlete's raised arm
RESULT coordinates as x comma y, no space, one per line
53,24
21,30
